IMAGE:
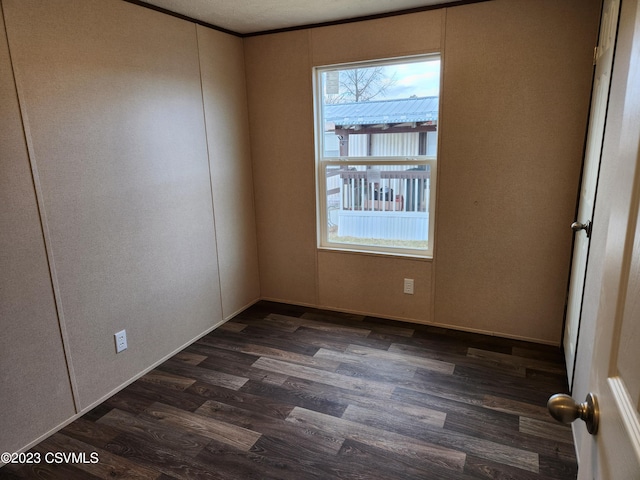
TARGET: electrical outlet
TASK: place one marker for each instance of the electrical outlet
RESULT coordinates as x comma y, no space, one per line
121,341
408,286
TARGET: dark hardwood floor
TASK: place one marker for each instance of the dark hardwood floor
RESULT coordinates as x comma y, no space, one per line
285,392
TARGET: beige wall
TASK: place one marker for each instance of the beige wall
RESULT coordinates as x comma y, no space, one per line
225,101
517,83
361,283
280,112
32,362
114,100
383,38
515,98
281,119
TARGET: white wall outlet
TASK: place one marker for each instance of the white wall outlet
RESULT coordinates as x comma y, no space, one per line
121,341
408,286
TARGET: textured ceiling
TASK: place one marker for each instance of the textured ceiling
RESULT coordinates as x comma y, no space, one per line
251,16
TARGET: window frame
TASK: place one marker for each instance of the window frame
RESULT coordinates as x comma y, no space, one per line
322,162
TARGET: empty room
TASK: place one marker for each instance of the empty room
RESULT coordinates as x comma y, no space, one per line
310,240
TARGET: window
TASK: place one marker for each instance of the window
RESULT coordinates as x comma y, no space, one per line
376,147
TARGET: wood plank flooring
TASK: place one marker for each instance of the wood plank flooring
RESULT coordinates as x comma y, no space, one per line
286,392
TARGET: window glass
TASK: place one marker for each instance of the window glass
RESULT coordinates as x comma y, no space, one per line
376,132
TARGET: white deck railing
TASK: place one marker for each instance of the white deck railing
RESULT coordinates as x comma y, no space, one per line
372,203
381,190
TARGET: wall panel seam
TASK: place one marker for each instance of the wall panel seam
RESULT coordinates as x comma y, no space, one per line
310,66
250,153
206,138
46,235
252,164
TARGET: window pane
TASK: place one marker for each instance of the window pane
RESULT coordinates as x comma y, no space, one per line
377,139
378,205
381,110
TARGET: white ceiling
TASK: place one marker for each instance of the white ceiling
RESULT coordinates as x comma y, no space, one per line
250,16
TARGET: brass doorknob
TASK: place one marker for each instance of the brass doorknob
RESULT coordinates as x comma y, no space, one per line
565,409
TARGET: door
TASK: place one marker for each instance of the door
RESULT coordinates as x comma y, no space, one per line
614,453
582,227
